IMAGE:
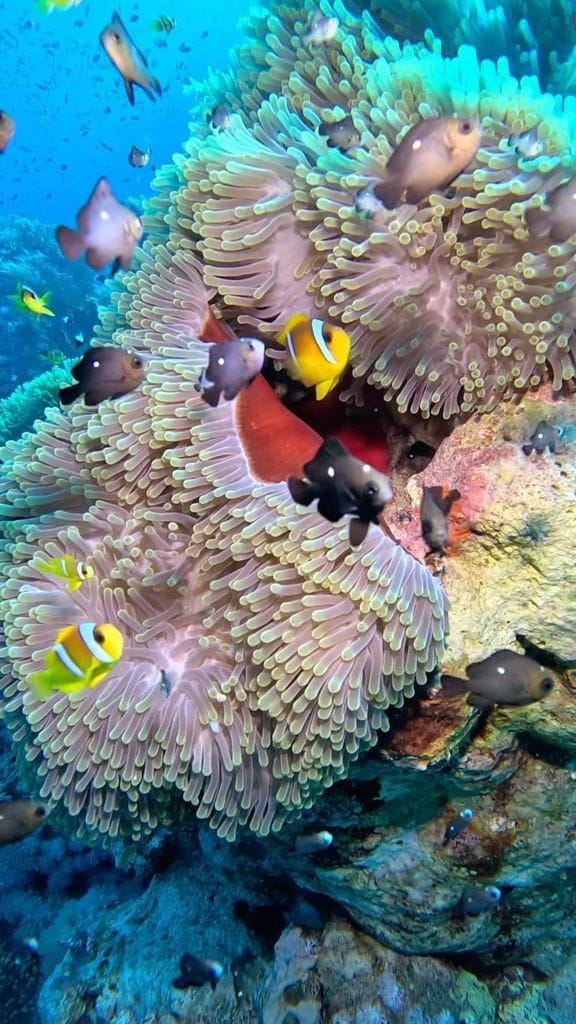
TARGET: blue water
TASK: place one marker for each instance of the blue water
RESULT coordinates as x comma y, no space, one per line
74,122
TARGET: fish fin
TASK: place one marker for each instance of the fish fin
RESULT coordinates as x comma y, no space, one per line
537,221
415,194
95,260
453,686
324,388
44,566
129,86
330,450
358,531
212,397
389,191
70,394
476,700
70,242
329,507
41,684
302,492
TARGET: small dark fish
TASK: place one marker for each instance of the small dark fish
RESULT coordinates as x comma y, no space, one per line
458,825
340,134
527,144
195,972
476,900
106,231
434,511
344,486
429,157
105,372
558,221
321,30
138,157
7,129
544,437
313,842
18,818
505,678
366,202
128,59
232,365
219,119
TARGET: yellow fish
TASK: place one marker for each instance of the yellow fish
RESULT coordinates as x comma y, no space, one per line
316,353
47,6
80,658
26,299
69,569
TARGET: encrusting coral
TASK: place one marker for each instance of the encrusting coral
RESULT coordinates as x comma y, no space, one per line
261,653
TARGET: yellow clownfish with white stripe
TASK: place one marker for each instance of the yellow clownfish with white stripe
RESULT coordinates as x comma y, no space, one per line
67,568
80,658
315,353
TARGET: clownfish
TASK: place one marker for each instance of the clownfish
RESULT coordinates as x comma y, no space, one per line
315,353
80,658
67,568
27,299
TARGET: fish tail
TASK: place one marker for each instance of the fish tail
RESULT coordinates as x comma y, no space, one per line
389,191
70,242
70,394
324,388
537,221
44,566
41,684
453,686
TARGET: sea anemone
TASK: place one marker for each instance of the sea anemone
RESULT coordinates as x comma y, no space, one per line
450,304
261,653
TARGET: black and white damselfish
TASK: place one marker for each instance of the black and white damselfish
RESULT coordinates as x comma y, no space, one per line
344,486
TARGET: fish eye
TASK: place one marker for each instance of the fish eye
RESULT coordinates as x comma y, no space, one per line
116,37
370,490
98,635
327,335
466,127
547,684
40,812
137,362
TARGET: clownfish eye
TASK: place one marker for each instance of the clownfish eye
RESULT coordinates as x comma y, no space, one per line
137,362
327,335
40,812
117,38
251,346
547,684
84,570
98,635
466,127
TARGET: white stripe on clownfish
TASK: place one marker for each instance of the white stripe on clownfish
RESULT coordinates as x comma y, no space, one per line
86,631
67,661
290,347
317,328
